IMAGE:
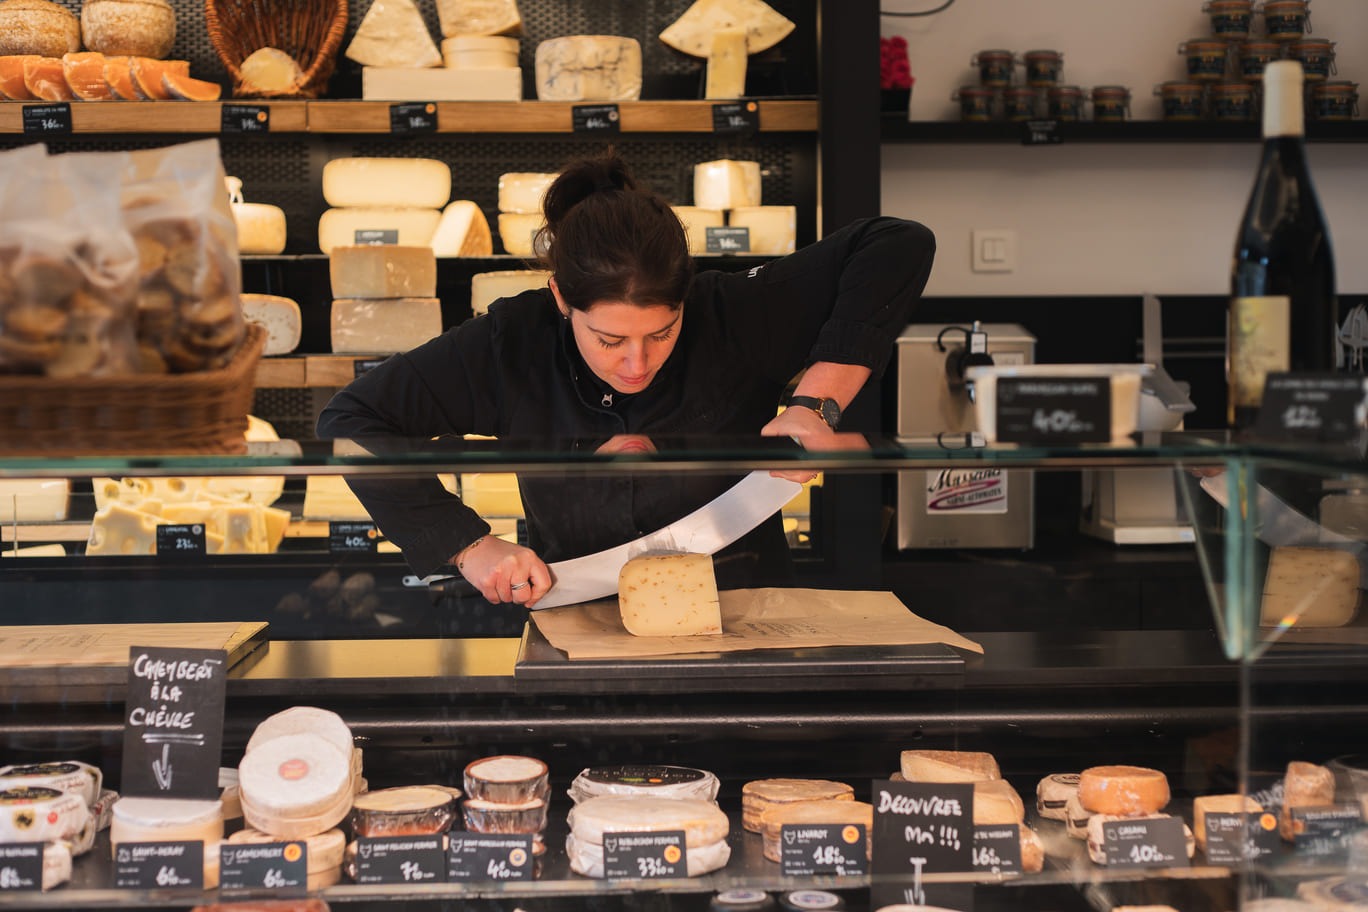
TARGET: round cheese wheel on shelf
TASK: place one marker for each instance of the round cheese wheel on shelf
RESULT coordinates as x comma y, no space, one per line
301,719
760,794
137,28
260,228
63,775
1123,790
166,820
489,817
32,814
1053,794
295,778
644,779
394,183
703,822
38,27
324,849
772,821
405,811
586,858
506,779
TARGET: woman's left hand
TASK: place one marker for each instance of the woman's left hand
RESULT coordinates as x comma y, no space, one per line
808,429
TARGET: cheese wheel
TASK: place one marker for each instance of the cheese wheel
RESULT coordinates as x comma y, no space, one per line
518,232
665,595
295,777
1219,804
404,811
1053,794
696,222
772,821
586,858
490,817
523,191
1123,790
442,84
1096,847
588,68
38,27
166,820
488,287
506,779
703,822
383,325
948,766
304,719
645,779
260,228
139,28
33,814
726,184
760,794
476,52
280,317
463,231
393,183
1304,785
773,230
72,776
997,803
382,271
324,849
344,227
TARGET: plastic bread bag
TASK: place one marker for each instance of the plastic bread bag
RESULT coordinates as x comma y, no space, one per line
68,269
189,303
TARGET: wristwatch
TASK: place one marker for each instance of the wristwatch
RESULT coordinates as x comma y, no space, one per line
827,409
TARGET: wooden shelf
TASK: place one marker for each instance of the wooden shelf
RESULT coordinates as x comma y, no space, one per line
156,116
894,128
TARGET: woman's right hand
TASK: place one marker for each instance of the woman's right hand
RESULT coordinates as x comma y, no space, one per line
504,572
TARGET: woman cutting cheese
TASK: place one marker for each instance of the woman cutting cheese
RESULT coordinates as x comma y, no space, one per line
628,341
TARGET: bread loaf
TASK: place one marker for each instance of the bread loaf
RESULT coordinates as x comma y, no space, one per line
138,28
37,27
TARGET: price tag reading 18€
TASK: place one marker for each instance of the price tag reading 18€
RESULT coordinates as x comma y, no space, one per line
807,850
645,856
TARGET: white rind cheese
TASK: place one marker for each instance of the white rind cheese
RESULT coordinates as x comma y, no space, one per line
463,232
506,779
34,501
71,776
518,232
773,229
480,52
488,287
295,778
478,17
524,191
393,34
299,720
589,68
384,325
382,271
387,183
692,33
411,227
33,814
260,228
166,820
279,316
444,84
696,223
726,184
586,858
703,822
644,780
324,849
670,595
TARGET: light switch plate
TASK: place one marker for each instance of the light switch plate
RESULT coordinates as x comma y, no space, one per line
993,250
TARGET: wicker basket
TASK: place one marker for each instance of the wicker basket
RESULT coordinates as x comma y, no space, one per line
137,414
310,31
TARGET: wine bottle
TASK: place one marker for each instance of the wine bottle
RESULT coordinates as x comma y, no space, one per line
1283,311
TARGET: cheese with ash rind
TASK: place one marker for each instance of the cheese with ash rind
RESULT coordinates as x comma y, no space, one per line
773,229
166,820
387,183
1310,587
523,191
442,84
382,271
696,223
478,17
393,34
692,33
726,184
645,779
703,822
404,811
279,316
586,858
485,289
670,595
36,814
384,325
589,68
63,775
948,766
463,232
409,227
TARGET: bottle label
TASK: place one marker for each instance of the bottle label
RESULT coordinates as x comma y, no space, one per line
1259,344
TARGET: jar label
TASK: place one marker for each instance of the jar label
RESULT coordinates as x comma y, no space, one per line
1260,344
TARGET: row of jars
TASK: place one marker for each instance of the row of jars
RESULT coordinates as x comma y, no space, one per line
997,67
1284,20
1239,101
1209,59
1020,103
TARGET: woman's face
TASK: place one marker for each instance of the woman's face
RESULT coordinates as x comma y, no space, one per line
624,344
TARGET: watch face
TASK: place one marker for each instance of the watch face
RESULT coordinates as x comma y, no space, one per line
831,413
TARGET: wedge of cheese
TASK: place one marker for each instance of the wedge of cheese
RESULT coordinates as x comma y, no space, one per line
384,325
118,529
726,184
727,64
279,316
382,271
388,183
393,34
948,766
1310,587
488,287
670,595
462,232
589,68
478,17
703,822
693,32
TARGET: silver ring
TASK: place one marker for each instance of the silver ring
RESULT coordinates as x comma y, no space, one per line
522,585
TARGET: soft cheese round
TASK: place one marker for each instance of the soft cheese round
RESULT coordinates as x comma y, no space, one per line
166,820
760,794
295,776
1123,790
506,779
703,822
298,720
324,849
406,811
1053,794
31,814
644,779
586,858
63,775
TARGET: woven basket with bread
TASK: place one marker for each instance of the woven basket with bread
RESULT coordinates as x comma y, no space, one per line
277,48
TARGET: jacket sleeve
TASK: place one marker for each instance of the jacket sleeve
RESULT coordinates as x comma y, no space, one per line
440,388
843,299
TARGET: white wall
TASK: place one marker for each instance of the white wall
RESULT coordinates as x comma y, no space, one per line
1102,218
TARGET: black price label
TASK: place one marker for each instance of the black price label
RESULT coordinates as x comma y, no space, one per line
806,850
375,237
264,866
238,118
1053,410
1040,133
352,537
1321,408
645,856
173,722
923,827
1232,838
413,117
736,117
400,860
1156,842
361,365
997,849
159,865
47,119
596,119
21,866
186,540
489,857
727,240
1323,832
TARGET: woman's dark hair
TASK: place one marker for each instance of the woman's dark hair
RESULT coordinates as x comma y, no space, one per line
606,239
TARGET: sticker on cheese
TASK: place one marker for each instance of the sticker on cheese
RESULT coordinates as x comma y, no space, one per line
387,183
506,779
1097,850
407,227
703,822
948,766
772,821
760,794
295,782
518,233
405,811
488,287
586,858
726,184
696,223
692,33
383,325
324,849
1124,790
118,529
33,814
996,803
1304,785
393,34
1219,804
462,232
1076,818
442,84
382,271
478,17
644,780
1310,587
670,595
489,817
34,501
523,191
1053,794
480,52
589,68
72,776
166,820
299,720
279,316
773,229
260,228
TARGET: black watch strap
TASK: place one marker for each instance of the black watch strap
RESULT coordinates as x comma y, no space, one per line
828,409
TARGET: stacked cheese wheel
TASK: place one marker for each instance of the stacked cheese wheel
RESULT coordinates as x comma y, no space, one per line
384,298
520,210
734,187
507,794
1111,793
171,820
59,803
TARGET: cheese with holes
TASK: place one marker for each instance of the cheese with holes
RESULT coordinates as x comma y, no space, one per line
404,811
72,776
393,34
444,84
726,184
360,225
696,223
279,316
727,64
463,232
384,325
773,229
488,287
387,183
692,33
1125,790
703,822
948,766
1219,804
586,858
518,232
34,501
478,17
324,849
295,785
118,529
589,68
382,271
1310,587
523,191
37,814
260,228
166,820
670,595
480,52
644,779
328,497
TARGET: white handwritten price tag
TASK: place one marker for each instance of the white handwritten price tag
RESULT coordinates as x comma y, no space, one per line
21,866
489,857
159,866
400,860
645,856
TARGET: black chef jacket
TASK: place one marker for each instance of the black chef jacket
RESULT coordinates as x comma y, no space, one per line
516,373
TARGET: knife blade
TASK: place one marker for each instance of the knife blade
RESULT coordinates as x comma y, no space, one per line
707,530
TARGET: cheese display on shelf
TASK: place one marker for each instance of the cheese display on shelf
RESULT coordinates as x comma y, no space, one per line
1219,804
523,191
80,779
586,858
478,17
269,71
518,232
134,492
1097,847
773,229
231,527
1053,794
324,849
393,34
118,529
726,184
703,822
589,68
1310,587
38,27
480,52
485,289
774,818
382,271
759,795
408,227
726,77
506,779
444,84
644,780
1304,785
166,820
40,814
492,493
670,595
1124,790
279,316
403,811
692,33
384,325
696,223
45,500
296,785
463,232
948,766
386,183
